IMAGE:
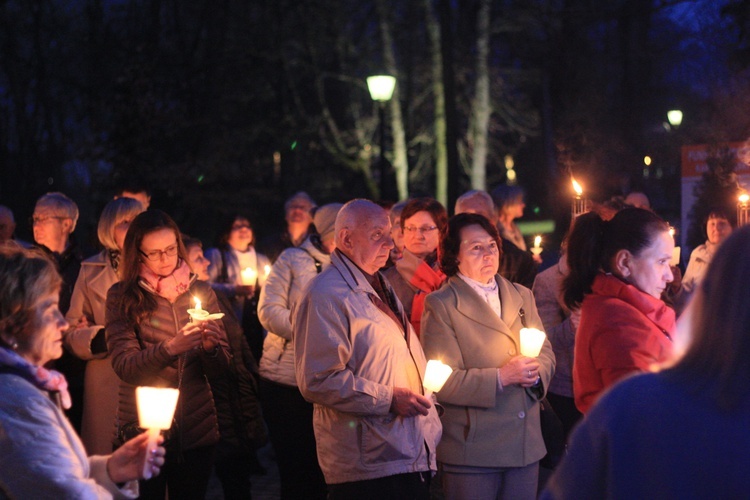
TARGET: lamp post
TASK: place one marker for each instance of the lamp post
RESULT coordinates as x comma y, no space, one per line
674,117
381,90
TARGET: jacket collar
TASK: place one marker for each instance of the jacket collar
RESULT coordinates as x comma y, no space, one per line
352,274
470,304
654,309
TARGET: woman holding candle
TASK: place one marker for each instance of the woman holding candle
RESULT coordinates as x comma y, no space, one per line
42,457
288,415
492,439
239,272
682,432
87,337
153,342
417,272
618,270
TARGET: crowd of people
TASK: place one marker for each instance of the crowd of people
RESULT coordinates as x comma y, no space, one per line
318,343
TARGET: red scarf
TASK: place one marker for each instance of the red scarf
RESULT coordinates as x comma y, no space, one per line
424,278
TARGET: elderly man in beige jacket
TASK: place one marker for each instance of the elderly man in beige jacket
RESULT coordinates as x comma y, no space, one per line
360,363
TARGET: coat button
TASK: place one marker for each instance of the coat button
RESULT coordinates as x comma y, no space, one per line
511,352
521,414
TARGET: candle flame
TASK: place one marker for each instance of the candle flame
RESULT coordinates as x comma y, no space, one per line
267,269
577,187
197,303
671,231
744,198
537,241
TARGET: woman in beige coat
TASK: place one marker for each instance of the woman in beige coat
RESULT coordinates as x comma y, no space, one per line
86,315
492,440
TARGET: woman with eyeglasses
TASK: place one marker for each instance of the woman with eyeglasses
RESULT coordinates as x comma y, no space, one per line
492,438
417,273
154,342
86,339
238,271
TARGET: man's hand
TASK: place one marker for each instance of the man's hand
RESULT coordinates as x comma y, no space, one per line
409,404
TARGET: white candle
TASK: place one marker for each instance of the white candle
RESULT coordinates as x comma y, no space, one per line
155,412
675,257
435,375
197,314
249,276
537,248
532,341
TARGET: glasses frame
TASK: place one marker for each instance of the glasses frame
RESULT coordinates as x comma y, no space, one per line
420,230
155,255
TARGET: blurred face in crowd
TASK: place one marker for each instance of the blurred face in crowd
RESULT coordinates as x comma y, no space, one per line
45,343
478,254
7,226
649,271
51,229
159,251
198,262
718,230
299,212
421,235
141,196
368,243
241,236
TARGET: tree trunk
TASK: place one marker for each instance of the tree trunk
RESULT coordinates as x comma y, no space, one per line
480,107
451,146
400,161
438,91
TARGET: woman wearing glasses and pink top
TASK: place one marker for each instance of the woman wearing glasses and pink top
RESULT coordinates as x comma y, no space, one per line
153,342
417,273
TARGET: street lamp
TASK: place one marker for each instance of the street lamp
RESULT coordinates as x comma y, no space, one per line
381,90
674,116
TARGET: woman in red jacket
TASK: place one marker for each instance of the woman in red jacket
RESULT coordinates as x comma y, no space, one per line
618,270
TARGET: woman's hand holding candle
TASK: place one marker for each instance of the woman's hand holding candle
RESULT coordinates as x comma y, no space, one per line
185,339
210,335
520,370
127,462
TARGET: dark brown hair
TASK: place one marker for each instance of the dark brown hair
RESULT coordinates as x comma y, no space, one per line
593,244
450,245
717,362
137,303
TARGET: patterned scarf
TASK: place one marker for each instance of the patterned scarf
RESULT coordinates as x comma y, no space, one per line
48,380
170,286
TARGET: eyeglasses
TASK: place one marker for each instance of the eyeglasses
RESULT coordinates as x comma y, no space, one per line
420,230
156,254
42,220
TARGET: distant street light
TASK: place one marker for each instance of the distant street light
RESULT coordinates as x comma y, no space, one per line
381,90
674,116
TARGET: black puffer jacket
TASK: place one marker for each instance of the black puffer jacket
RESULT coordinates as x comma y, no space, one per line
139,357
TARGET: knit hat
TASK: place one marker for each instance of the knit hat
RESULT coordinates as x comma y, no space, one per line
325,219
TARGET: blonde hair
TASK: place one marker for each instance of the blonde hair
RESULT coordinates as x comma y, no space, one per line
115,212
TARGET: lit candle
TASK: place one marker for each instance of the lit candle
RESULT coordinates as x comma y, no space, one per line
532,341
249,276
198,313
267,270
537,248
155,412
436,374
675,261
743,209
579,203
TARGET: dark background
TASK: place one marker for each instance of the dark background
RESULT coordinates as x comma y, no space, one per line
232,105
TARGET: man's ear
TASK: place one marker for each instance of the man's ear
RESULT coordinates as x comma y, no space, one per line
68,225
344,239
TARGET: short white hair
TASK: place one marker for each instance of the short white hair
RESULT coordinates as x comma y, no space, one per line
479,199
60,205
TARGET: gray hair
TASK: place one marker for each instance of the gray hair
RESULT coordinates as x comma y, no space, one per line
480,200
61,205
